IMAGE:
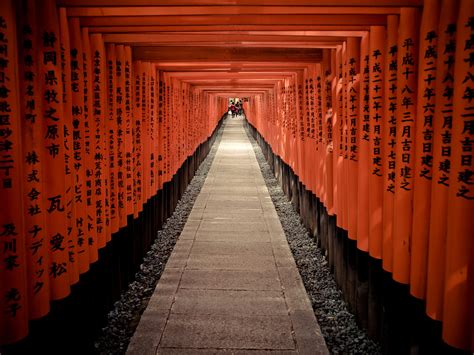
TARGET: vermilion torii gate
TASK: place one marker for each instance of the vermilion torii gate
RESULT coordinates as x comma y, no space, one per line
102,101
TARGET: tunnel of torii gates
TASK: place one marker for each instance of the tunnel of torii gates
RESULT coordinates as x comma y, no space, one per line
372,108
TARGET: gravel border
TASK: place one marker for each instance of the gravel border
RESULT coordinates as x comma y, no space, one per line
338,325
124,318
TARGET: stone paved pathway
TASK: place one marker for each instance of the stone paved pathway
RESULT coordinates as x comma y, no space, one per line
231,285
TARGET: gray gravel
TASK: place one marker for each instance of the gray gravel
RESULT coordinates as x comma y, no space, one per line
124,318
338,325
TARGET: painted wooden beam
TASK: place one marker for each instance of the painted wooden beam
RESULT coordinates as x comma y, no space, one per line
281,19
140,38
229,28
158,53
341,3
227,10
284,35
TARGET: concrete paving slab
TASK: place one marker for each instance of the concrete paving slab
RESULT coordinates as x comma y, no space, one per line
309,339
177,260
225,226
189,301
230,262
234,204
228,331
218,236
233,214
148,333
295,294
231,285
231,280
235,219
232,197
240,248
188,234
242,190
210,211
181,351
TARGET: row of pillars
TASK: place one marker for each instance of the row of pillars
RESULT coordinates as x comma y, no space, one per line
381,131
88,136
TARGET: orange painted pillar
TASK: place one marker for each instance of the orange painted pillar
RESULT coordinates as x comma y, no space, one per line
364,164
105,156
129,132
287,123
353,104
312,141
54,152
321,127
111,134
13,262
306,128
172,129
318,131
180,117
343,147
278,115
149,122
185,120
121,135
98,111
68,147
308,143
312,144
78,144
458,294
177,143
331,132
405,160
183,107
153,132
337,135
36,248
389,140
91,231
296,123
377,45
302,163
137,138
423,147
279,102
145,130
442,127
328,133
168,132
161,130
154,125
